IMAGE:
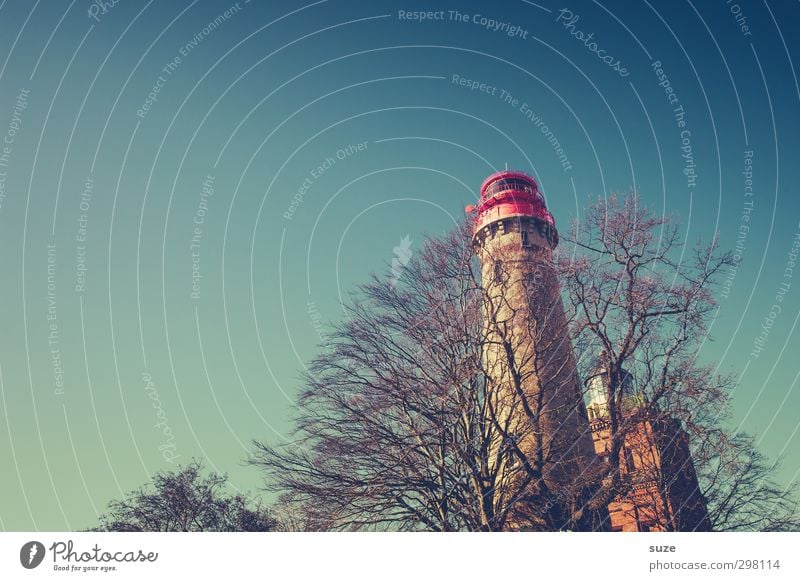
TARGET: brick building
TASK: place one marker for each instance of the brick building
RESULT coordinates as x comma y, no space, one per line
660,487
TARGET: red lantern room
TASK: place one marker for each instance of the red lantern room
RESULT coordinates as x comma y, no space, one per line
508,194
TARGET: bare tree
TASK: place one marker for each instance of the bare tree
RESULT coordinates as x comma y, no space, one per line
407,423
645,301
185,500
389,433
739,483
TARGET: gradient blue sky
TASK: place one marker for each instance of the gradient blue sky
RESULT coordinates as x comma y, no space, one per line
259,103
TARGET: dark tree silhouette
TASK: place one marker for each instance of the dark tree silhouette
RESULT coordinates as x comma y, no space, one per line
185,500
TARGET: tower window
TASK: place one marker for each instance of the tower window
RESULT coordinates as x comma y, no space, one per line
525,241
629,463
498,270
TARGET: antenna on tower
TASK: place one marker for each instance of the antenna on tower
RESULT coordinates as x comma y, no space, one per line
506,166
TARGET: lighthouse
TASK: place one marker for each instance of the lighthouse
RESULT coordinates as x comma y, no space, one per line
528,357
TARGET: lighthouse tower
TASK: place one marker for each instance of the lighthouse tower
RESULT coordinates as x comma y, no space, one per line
527,352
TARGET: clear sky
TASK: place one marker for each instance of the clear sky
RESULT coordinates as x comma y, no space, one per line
188,190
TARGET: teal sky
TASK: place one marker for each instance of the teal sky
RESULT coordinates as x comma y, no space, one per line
325,133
